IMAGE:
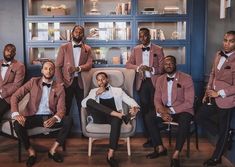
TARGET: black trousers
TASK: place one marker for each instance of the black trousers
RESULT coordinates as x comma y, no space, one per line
146,94
217,121
71,91
183,119
37,121
4,107
101,115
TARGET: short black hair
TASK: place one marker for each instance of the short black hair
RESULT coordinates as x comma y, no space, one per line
231,32
10,45
80,27
48,61
171,57
101,73
145,30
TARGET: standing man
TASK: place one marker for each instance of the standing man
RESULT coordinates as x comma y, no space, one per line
73,58
12,77
146,59
105,105
220,93
173,99
45,108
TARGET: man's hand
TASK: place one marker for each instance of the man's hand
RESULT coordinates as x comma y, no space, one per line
21,119
163,110
212,93
71,69
134,110
166,117
50,122
145,68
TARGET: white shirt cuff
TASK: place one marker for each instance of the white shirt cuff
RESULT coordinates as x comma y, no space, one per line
172,110
153,71
137,70
14,114
58,118
222,93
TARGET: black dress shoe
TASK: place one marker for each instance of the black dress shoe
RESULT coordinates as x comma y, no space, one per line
148,144
156,154
126,118
212,162
175,163
112,162
56,157
31,160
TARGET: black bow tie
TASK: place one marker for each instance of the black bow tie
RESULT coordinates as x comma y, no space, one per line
5,65
147,48
223,54
169,79
46,84
107,88
75,46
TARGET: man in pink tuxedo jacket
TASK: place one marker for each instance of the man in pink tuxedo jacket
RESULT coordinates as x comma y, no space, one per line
45,108
173,99
73,58
219,97
146,59
12,77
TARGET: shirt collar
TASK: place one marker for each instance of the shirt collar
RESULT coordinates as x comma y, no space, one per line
74,43
173,76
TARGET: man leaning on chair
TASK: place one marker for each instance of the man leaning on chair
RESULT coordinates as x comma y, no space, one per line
105,106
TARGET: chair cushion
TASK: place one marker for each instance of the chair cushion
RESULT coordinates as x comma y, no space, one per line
105,128
116,78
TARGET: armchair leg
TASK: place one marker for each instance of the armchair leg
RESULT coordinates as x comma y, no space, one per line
128,146
19,150
90,146
188,146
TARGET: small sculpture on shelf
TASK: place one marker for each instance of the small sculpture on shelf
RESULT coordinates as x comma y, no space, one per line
48,10
94,10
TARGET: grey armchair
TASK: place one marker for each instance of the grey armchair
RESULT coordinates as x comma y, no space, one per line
118,77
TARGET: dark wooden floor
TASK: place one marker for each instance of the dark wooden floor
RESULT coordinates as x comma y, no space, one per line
76,154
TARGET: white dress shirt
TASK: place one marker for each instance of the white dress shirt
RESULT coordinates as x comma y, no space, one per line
169,93
3,74
76,56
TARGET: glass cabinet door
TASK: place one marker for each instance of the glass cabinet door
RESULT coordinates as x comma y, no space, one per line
165,30
111,55
49,31
107,7
52,7
178,52
150,7
39,54
108,30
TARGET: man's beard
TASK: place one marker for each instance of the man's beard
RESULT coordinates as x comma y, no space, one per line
49,78
77,39
8,59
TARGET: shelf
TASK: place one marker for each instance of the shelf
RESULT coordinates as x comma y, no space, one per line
111,28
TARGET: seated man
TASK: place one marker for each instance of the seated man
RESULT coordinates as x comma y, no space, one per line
174,98
46,108
105,106
12,77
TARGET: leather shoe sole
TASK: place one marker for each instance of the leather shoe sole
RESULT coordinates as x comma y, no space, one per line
56,157
112,162
31,161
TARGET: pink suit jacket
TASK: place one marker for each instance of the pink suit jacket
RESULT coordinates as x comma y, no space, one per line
182,97
223,79
65,60
34,88
155,61
14,78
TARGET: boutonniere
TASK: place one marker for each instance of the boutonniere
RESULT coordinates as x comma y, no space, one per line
178,85
227,67
155,55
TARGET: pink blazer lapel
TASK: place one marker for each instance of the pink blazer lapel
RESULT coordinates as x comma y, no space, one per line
174,88
1,79
139,57
164,91
151,56
70,54
83,51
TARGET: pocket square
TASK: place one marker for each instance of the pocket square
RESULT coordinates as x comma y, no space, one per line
154,55
178,85
227,67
